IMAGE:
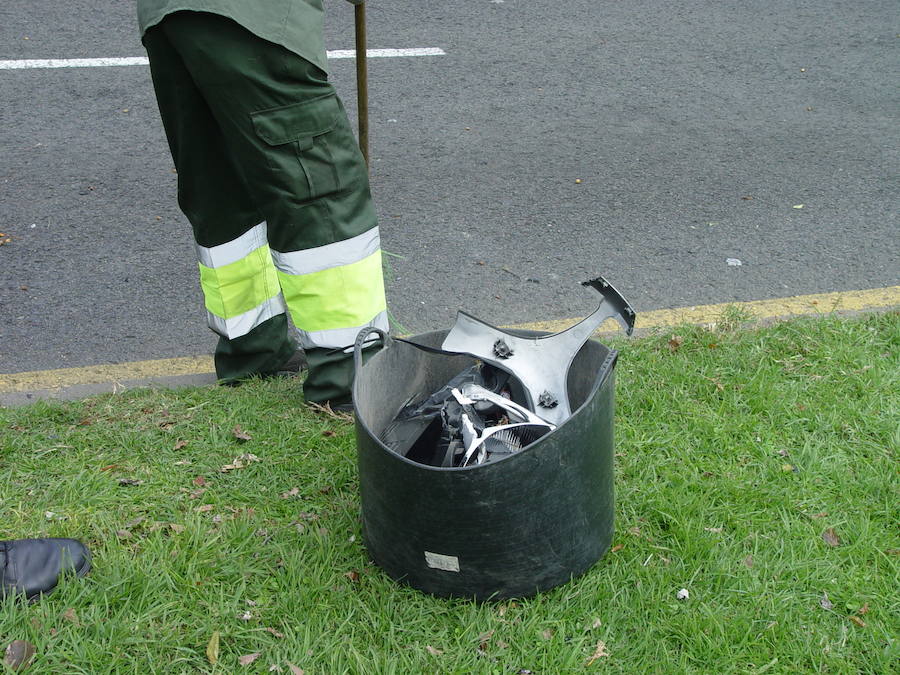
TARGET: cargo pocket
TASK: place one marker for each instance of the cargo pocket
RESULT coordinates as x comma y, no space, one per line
305,147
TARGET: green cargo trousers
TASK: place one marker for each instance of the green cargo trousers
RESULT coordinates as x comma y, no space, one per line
277,193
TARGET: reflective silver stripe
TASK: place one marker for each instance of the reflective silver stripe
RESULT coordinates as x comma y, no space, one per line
234,250
340,338
328,256
242,324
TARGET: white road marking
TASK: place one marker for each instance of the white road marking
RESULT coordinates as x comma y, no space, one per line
143,61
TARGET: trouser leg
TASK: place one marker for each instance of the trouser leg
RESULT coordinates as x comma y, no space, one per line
289,139
218,204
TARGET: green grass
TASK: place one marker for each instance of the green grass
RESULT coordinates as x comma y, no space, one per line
736,449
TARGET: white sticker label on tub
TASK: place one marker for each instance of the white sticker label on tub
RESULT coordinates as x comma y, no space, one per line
448,563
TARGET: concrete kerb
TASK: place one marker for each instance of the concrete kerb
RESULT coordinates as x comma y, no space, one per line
75,383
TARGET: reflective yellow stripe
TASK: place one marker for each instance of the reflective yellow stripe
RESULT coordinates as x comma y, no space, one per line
340,297
236,288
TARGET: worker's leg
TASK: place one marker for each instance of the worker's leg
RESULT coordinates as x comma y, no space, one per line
282,121
240,286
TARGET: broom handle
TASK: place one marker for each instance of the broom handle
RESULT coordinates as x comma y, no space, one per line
362,80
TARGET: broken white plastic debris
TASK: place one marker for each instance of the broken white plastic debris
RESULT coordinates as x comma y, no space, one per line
733,262
683,594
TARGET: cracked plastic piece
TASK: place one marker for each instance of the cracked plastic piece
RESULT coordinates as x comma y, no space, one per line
540,363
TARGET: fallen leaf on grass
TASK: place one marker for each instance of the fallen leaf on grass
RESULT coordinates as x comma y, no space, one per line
19,654
199,481
597,623
295,670
748,561
240,435
547,634
179,445
864,609
616,548
859,622
823,514
70,616
599,653
275,632
714,530
483,640
825,603
240,462
293,492
212,648
123,534
830,537
433,651
719,385
328,433
130,481
203,508
247,659
675,342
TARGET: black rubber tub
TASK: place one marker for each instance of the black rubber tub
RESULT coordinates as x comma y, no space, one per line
510,528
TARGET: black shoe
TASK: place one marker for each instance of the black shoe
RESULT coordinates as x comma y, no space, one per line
293,366
35,566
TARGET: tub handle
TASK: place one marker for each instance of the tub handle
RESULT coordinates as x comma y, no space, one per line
361,339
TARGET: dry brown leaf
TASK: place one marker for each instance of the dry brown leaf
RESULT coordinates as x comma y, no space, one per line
825,603
599,653
19,654
675,342
275,632
203,508
71,616
830,537
433,651
196,494
295,670
859,622
616,548
547,634
714,530
240,434
199,481
822,514
293,492
328,433
212,648
176,528
179,445
247,659
864,609
123,534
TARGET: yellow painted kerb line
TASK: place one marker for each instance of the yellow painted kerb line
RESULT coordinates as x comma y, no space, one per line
801,305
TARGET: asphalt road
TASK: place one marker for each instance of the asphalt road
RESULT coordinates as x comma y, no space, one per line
645,141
